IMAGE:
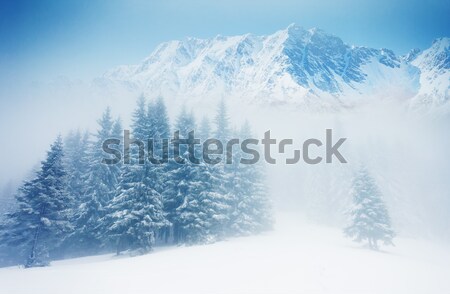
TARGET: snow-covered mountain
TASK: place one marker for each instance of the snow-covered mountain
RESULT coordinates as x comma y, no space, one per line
305,68
434,64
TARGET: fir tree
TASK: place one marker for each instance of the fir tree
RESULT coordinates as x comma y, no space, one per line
180,181
117,133
135,215
225,173
209,211
101,184
76,159
158,170
41,220
204,131
369,216
103,178
159,127
117,130
222,122
159,130
140,125
162,119
251,209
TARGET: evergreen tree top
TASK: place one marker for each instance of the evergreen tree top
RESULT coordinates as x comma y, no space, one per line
222,122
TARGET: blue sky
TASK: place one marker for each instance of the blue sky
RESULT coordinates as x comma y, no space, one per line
40,40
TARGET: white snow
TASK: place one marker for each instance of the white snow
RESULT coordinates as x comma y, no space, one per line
256,70
294,258
435,76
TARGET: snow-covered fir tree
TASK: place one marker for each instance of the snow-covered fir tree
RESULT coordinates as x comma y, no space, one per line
369,216
41,220
223,133
211,202
251,208
159,130
181,180
135,215
117,131
140,126
159,126
204,130
76,160
162,119
101,184
222,122
103,178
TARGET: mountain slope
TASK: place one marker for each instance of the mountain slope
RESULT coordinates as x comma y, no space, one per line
434,64
305,68
296,259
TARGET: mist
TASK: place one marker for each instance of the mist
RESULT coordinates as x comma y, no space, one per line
406,150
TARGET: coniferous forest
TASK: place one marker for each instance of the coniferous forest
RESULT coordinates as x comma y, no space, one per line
75,205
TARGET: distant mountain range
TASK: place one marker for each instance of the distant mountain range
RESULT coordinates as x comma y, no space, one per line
296,67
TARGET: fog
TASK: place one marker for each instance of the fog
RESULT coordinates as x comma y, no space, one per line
405,150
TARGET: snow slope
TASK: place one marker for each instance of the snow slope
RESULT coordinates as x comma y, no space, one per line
307,69
295,258
434,64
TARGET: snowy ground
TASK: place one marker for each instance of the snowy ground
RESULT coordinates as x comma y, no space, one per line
294,259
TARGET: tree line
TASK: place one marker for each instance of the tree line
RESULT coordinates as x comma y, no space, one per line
75,205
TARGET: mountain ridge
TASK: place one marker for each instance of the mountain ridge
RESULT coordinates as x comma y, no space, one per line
305,68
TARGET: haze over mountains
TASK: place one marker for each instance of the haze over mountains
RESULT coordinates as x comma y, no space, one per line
308,69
